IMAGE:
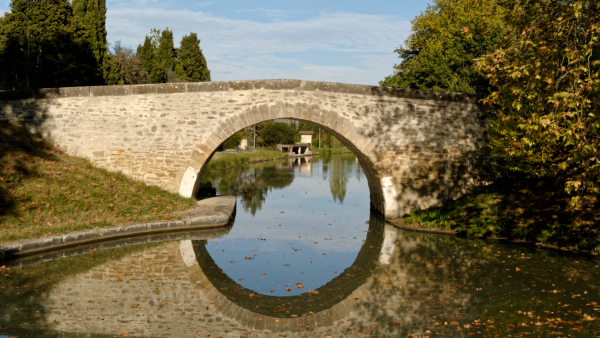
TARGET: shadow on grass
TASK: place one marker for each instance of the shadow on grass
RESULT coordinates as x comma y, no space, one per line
20,152
534,210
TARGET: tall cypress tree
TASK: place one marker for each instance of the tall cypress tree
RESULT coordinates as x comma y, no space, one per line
92,15
165,54
43,45
145,52
191,64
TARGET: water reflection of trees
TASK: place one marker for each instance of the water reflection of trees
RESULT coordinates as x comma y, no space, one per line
251,184
337,169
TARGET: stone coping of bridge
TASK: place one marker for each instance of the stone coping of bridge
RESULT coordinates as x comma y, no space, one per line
197,87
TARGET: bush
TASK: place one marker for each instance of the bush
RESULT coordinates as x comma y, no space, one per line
278,133
234,140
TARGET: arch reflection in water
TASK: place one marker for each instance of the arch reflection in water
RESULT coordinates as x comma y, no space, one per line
309,302
430,285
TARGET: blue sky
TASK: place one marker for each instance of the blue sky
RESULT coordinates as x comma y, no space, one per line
337,40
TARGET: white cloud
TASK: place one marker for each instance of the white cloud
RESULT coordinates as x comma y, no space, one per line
242,49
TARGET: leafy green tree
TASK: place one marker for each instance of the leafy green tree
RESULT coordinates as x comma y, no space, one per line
43,45
445,40
191,64
547,94
277,133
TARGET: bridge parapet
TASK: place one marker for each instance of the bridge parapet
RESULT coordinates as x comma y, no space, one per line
417,148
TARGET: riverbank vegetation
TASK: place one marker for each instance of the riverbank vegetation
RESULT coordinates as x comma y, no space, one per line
226,160
536,63
519,208
229,159
45,192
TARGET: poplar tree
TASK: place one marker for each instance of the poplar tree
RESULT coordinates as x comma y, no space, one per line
191,64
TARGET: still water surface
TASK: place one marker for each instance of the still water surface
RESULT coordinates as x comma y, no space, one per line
304,257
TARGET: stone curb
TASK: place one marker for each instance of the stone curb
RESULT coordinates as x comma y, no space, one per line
402,226
31,246
146,238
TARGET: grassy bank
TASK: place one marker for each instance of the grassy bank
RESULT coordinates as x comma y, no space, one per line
325,151
519,209
46,192
226,160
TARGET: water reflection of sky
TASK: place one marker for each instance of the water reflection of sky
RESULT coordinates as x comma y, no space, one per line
304,225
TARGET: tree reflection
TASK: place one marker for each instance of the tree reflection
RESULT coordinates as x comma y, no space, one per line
253,183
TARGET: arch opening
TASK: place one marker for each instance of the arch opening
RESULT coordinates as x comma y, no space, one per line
382,191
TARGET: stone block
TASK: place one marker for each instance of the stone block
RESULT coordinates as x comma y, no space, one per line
264,113
170,88
314,113
199,87
109,91
142,89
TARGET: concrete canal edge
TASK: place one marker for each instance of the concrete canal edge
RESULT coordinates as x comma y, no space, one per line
434,231
209,213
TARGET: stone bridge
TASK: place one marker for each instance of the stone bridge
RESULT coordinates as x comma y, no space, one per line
417,148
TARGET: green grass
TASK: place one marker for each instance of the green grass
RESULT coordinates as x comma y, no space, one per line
517,208
320,151
46,192
226,160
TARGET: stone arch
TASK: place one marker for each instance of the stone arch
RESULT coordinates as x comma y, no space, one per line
341,127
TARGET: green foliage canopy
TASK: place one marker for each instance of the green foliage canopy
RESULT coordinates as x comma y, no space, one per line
547,93
277,133
445,40
42,44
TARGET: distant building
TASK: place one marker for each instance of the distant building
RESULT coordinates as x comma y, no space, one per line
306,137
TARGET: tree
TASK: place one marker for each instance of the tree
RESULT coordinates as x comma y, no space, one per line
43,45
277,133
92,15
445,40
547,94
146,53
191,64
130,64
113,73
234,140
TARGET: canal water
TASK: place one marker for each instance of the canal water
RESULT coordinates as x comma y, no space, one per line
304,257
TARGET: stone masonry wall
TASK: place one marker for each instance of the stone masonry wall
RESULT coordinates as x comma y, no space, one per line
417,148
